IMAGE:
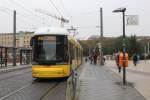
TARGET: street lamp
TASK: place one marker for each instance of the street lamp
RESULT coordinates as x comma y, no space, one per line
123,15
124,46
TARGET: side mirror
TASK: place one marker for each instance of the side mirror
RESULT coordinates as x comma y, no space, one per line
32,41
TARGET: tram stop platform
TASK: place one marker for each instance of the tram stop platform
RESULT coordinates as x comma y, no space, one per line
101,83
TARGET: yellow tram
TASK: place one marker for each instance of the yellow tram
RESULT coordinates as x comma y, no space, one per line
55,53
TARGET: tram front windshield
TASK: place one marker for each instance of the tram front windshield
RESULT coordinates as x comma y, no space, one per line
50,49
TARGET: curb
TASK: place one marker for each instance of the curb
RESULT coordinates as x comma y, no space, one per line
69,92
10,69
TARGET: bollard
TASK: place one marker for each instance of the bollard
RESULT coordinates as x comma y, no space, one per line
74,81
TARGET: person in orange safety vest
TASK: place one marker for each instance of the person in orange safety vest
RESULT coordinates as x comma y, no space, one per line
120,61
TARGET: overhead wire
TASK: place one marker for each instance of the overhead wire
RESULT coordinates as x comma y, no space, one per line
19,19
55,7
29,11
64,7
18,13
21,6
66,10
28,16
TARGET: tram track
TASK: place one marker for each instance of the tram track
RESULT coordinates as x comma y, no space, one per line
57,92
18,84
45,95
52,86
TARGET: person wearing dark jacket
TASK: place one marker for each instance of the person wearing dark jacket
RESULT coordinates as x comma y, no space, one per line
135,59
95,58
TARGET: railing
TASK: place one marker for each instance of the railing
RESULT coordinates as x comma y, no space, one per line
23,56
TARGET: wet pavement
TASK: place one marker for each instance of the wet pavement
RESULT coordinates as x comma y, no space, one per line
139,75
100,83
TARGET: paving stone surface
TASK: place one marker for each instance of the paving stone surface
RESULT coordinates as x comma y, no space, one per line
139,75
100,83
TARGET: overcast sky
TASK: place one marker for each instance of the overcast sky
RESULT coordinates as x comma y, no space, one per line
83,14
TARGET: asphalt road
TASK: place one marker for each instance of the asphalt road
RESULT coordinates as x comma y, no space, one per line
19,85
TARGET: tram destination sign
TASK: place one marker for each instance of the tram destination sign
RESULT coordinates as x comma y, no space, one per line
47,38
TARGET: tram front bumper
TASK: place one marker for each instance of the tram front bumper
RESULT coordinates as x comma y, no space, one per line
48,72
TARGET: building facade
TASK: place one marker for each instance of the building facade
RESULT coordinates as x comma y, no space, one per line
22,39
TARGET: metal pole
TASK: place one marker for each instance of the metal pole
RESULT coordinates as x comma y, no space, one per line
145,53
6,57
148,48
123,24
14,39
101,35
20,57
101,22
124,50
1,56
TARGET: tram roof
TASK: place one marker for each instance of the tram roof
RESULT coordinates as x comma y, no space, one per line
51,30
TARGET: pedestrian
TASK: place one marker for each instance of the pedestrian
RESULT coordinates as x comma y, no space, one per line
138,58
91,59
98,59
104,59
117,62
95,58
85,59
135,59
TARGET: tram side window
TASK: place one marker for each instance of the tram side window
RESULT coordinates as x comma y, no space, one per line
66,53
77,54
80,55
71,50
